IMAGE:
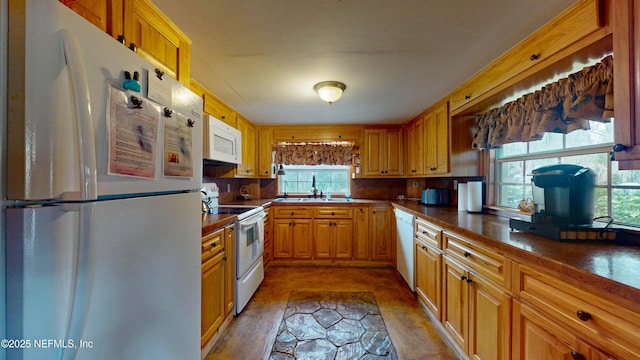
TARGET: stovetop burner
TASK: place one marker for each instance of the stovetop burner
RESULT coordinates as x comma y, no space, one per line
240,210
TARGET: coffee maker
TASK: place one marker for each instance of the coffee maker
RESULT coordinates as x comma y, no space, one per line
564,195
564,202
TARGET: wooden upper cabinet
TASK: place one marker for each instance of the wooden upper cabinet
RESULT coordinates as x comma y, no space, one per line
248,166
265,150
414,145
105,14
436,127
626,72
316,133
383,152
538,50
219,110
157,39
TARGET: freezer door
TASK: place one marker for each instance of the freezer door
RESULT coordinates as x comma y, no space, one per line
50,128
129,290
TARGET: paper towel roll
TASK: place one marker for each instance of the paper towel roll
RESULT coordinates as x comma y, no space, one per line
462,197
474,196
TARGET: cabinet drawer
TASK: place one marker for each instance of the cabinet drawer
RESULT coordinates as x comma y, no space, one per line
291,212
479,259
333,212
601,322
212,244
428,233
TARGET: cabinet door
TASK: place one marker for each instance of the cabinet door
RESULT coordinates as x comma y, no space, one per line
415,153
489,321
282,238
265,160
374,154
301,230
626,68
157,39
105,14
229,267
393,154
342,239
248,166
429,277
455,303
212,307
219,110
322,238
537,337
381,233
437,141
361,234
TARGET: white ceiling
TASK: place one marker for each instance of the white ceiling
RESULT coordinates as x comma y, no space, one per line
397,57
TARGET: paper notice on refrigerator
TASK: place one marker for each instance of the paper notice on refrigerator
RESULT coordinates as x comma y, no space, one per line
178,136
133,134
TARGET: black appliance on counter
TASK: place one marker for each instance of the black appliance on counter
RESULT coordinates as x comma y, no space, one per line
564,200
434,196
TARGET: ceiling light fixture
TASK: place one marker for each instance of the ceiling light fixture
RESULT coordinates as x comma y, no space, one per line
329,91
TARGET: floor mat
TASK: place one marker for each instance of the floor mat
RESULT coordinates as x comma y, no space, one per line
320,325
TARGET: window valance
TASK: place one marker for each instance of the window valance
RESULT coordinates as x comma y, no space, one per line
561,107
314,154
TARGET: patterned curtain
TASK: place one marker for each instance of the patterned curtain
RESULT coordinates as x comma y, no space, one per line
314,154
560,107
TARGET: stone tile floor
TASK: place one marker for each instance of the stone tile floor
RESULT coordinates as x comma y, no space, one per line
332,325
251,335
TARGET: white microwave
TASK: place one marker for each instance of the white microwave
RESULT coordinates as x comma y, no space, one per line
223,143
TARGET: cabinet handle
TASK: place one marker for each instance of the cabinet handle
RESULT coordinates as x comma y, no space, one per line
583,315
616,148
534,57
424,232
292,213
121,39
432,169
469,280
333,213
463,277
424,247
577,356
467,254
133,47
467,97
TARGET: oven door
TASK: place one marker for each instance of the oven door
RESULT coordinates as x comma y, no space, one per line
249,243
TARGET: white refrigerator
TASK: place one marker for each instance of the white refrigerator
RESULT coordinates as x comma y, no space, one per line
101,209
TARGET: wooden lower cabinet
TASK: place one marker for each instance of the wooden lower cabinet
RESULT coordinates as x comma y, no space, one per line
537,336
428,267
292,238
475,313
333,239
361,233
381,232
229,269
218,280
212,306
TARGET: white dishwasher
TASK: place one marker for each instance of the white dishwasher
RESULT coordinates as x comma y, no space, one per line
405,247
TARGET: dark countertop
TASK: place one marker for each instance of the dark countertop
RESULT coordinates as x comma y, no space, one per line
597,265
211,222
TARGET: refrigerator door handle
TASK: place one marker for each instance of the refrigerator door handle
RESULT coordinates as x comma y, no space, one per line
84,120
81,279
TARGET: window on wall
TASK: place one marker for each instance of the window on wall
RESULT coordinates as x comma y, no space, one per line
298,179
617,192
